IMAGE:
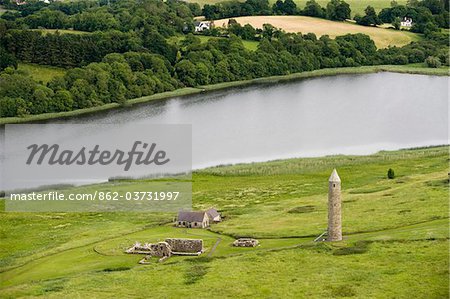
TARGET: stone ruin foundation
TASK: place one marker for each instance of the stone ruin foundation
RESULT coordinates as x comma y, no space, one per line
186,246
246,242
166,249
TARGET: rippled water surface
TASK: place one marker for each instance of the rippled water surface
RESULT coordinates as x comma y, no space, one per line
356,114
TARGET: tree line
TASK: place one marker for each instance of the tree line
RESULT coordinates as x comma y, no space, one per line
118,77
335,10
167,17
427,15
133,58
72,50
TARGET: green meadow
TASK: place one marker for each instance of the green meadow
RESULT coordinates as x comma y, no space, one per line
41,72
248,44
395,236
61,31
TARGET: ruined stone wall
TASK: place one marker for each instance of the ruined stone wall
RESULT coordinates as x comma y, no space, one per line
246,242
160,249
186,245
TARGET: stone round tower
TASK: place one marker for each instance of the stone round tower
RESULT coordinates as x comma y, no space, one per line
334,208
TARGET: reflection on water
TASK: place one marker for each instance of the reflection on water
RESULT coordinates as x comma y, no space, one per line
331,115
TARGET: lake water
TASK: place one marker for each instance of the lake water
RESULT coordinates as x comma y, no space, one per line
348,114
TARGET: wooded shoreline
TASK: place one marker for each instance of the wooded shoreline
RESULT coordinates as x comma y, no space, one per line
406,69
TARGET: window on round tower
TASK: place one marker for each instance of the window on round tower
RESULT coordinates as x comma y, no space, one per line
334,185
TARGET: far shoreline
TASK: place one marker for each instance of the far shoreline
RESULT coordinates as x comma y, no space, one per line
182,92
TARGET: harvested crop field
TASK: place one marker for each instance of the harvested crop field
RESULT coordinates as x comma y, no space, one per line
382,37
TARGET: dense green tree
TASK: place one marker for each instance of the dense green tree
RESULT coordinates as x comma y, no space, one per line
388,15
415,55
62,101
15,85
46,18
94,21
286,7
260,7
338,10
10,107
246,32
84,95
186,72
399,59
369,19
156,43
435,6
7,60
396,23
41,100
202,74
390,174
229,9
313,9
433,62
277,7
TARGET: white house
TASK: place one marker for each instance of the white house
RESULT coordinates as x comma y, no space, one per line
406,22
202,25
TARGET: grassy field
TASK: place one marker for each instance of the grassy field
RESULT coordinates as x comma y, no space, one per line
396,236
41,72
61,31
382,37
357,6
418,68
249,45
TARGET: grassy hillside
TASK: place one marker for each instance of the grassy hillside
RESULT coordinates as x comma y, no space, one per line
357,6
382,37
396,236
41,72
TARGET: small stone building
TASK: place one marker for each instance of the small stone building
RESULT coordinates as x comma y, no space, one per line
194,219
213,215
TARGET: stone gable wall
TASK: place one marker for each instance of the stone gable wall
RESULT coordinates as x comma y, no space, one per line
186,245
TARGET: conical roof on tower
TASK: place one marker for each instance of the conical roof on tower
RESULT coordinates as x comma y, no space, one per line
334,177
